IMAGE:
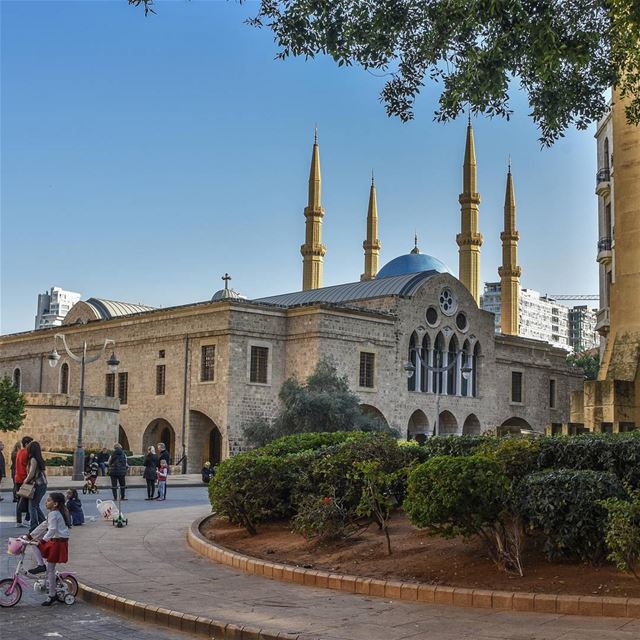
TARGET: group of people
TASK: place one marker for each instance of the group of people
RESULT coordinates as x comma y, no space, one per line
156,472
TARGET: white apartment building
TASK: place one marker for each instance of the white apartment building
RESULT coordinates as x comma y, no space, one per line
543,318
53,306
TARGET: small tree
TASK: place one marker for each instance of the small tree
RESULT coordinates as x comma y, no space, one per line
12,404
586,361
324,403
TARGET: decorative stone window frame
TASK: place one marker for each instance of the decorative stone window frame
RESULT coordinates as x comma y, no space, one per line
269,346
206,342
376,362
523,388
19,378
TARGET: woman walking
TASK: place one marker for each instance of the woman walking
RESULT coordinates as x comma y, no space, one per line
150,469
117,471
20,473
36,475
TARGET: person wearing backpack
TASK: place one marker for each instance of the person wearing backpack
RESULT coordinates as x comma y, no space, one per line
118,471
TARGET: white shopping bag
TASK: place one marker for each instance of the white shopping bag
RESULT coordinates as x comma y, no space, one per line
107,509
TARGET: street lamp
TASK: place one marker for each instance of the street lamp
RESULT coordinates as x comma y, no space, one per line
84,359
410,369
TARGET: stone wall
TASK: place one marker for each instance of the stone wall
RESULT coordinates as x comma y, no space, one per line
52,420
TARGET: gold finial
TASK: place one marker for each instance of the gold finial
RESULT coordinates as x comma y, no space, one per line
373,181
315,135
415,243
509,163
226,277
469,116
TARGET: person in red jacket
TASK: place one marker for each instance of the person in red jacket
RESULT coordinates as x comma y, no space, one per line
22,506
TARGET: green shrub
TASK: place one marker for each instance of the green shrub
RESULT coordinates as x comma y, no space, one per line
325,518
59,461
330,472
623,532
467,496
566,506
300,442
617,453
250,489
517,457
456,495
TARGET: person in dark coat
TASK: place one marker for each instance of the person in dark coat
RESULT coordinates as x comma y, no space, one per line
163,454
150,468
118,471
74,507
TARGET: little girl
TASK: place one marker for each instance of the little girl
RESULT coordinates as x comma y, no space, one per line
74,507
163,472
53,535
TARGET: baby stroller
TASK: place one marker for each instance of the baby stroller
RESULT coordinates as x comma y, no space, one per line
90,477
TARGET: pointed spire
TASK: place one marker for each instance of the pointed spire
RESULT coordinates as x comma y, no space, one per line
509,271
313,250
469,239
372,244
415,249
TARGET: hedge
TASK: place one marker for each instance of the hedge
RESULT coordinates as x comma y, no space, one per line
566,506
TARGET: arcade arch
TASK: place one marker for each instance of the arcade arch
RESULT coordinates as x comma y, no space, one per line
471,426
204,441
160,430
447,424
418,427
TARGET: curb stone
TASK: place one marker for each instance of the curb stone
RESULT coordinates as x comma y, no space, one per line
594,606
176,620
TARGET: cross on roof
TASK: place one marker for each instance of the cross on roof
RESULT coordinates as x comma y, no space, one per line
226,277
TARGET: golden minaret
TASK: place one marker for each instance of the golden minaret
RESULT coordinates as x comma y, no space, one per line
469,239
371,245
313,250
509,272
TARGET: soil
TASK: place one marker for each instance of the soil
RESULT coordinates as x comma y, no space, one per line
417,557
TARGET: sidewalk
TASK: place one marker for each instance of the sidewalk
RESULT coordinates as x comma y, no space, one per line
62,483
149,561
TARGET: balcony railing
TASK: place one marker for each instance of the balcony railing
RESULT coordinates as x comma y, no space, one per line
603,175
604,244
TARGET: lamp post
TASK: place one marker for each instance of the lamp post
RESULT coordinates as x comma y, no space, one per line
410,370
84,359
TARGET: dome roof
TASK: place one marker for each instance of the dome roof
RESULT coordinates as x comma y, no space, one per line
227,294
413,262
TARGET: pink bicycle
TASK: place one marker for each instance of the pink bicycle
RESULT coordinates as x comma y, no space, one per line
11,588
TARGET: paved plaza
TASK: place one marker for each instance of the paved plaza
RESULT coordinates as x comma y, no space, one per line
150,561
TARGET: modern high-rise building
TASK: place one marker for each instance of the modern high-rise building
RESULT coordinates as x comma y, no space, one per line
53,306
543,318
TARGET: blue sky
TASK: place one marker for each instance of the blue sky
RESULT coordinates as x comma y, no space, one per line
142,158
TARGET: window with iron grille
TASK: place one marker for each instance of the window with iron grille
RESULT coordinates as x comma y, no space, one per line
259,362
207,363
367,368
110,385
123,384
160,377
516,386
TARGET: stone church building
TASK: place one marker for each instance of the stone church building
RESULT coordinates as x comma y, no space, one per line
410,337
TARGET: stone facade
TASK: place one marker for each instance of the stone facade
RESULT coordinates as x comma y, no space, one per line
204,418
52,419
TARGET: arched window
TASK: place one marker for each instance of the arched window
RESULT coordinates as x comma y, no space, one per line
466,362
64,378
412,381
606,153
424,372
438,361
17,379
475,364
452,374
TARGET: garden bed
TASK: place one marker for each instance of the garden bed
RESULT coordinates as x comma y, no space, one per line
417,557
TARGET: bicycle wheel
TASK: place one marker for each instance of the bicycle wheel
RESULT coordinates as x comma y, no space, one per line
72,585
9,599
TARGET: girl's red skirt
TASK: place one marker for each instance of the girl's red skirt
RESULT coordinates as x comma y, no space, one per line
55,550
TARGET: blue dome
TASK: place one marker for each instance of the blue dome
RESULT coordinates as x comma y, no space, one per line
413,262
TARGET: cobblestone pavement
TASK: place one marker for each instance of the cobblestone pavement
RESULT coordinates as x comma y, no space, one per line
150,561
